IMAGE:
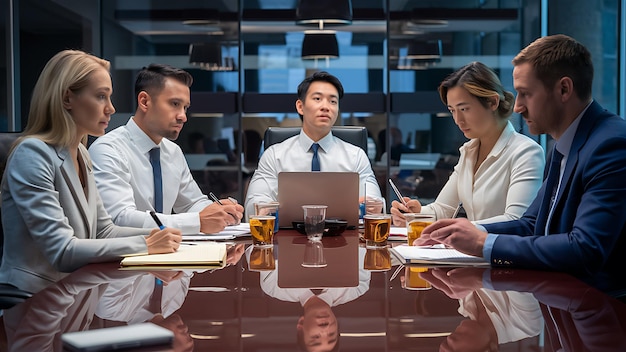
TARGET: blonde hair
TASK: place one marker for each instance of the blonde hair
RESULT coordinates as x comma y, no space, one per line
48,120
481,82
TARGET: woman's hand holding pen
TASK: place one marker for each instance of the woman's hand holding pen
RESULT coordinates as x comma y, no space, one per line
215,217
166,240
398,209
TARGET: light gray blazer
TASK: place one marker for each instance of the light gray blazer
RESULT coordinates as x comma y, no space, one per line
51,226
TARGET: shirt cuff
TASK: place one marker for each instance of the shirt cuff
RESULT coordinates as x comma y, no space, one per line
488,247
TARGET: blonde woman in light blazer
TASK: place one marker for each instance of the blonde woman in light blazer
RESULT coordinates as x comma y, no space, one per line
54,221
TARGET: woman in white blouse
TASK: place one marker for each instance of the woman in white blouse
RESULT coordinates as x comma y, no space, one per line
499,170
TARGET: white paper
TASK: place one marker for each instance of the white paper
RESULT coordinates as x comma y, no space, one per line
397,233
435,255
229,233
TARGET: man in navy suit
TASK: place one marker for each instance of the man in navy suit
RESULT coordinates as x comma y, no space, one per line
576,223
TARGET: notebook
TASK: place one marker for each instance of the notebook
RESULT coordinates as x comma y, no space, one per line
338,190
435,255
189,255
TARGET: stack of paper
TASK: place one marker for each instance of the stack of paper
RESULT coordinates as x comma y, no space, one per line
229,233
435,255
200,255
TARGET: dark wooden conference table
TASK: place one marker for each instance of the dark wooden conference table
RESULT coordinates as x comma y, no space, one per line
254,304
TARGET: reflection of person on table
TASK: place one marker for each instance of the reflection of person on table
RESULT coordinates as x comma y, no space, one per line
65,306
129,300
577,316
53,218
499,170
495,317
137,300
318,107
317,328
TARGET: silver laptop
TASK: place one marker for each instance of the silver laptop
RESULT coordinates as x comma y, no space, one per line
338,190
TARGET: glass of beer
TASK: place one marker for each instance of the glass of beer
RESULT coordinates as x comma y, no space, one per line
412,279
268,208
262,230
415,224
378,259
262,259
376,230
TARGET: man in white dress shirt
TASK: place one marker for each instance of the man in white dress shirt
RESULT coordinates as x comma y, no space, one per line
318,107
124,172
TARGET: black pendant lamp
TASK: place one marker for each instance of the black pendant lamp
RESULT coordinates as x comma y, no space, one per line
320,45
209,57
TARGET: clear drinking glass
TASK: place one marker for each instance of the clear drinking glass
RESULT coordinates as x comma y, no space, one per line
314,221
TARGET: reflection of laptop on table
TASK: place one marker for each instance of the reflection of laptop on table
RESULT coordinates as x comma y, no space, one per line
338,190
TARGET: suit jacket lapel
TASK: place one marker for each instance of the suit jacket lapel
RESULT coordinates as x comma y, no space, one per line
71,177
582,134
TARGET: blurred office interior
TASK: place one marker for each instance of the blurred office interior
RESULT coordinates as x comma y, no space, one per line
248,56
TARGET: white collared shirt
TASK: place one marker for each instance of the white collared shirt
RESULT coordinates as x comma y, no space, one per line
123,174
503,186
294,154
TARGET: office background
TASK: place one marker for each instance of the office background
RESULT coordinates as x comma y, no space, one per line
248,56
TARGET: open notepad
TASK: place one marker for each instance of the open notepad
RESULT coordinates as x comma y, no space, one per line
200,255
435,255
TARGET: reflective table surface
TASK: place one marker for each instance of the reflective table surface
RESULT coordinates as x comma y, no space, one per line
354,299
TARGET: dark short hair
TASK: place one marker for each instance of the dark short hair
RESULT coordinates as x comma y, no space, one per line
152,78
557,56
321,76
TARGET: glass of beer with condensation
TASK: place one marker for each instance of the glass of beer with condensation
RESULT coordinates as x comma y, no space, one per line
262,230
415,224
376,230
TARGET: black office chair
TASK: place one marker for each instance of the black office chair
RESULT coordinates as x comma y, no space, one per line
9,294
356,135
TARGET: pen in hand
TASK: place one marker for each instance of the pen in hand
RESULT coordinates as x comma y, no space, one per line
156,219
398,194
457,210
216,200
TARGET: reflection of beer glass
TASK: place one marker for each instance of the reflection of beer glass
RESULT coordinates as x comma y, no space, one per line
415,224
376,230
412,279
268,208
262,259
314,255
262,230
377,259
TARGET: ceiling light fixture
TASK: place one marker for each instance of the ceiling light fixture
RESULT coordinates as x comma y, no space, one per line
209,57
320,45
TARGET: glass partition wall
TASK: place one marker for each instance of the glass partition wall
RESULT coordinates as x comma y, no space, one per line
248,56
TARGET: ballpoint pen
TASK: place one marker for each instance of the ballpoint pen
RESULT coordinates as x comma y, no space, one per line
156,219
215,199
398,194
233,200
457,210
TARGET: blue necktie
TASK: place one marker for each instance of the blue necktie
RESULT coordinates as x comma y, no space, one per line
315,162
155,160
549,196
